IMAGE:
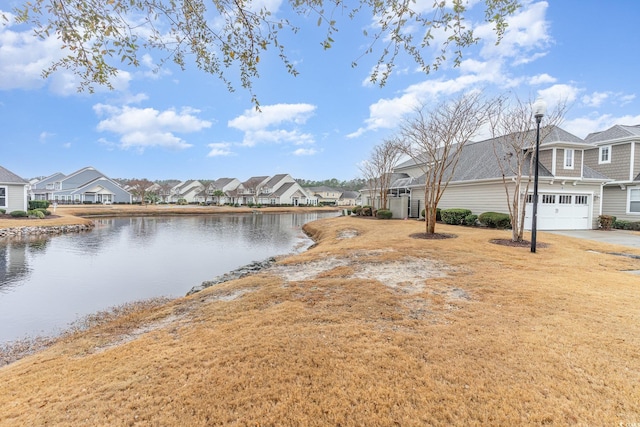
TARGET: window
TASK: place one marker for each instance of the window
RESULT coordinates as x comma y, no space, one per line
564,199
548,199
605,154
529,198
634,200
581,200
3,196
568,158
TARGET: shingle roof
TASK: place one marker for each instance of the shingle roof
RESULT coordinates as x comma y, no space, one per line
284,187
478,159
614,132
8,177
274,180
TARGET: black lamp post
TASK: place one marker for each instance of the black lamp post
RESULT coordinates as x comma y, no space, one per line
539,108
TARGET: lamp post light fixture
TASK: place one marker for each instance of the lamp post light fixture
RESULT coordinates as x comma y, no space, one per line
539,109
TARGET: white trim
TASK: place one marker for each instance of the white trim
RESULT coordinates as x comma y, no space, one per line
6,196
629,189
609,152
554,159
573,158
632,158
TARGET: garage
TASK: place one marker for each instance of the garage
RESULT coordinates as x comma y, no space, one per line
560,211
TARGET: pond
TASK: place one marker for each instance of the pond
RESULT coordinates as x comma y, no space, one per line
46,283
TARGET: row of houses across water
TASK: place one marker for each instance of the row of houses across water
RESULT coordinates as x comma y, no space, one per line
88,185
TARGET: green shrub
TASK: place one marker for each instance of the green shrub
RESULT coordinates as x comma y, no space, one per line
454,216
44,211
495,220
182,201
438,214
35,213
3,211
38,204
621,224
384,214
606,221
18,214
470,220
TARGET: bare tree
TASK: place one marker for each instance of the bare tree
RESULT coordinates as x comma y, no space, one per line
139,188
435,139
370,175
513,144
378,170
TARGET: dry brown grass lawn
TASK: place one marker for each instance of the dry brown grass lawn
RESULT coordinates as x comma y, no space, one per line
369,327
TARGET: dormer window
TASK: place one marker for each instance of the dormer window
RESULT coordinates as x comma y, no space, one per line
604,154
568,158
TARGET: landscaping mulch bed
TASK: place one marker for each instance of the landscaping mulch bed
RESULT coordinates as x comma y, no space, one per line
521,244
432,236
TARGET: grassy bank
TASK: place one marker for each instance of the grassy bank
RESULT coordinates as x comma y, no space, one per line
369,327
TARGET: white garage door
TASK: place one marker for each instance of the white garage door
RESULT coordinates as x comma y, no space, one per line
561,212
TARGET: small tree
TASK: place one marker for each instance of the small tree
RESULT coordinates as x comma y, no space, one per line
378,170
434,140
513,146
204,190
218,194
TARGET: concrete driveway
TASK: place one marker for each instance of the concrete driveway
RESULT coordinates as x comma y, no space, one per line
617,237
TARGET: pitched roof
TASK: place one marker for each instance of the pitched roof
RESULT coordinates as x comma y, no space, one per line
8,177
274,180
614,132
349,195
254,181
284,187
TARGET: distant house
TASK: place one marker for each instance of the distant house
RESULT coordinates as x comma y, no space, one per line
349,198
87,185
187,190
228,187
13,191
326,195
249,190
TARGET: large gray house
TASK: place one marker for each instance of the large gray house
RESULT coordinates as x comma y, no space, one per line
579,180
86,185
13,191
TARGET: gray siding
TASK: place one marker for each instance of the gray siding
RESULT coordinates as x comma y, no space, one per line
478,198
618,169
16,199
614,202
576,172
546,159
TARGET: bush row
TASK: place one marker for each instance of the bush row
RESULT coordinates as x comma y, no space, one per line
607,222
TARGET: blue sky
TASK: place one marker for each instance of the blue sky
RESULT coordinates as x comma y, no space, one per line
321,124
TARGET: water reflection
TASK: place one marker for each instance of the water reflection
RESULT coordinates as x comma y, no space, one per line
48,282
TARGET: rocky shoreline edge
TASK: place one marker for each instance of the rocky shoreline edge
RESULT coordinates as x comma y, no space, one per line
238,273
52,229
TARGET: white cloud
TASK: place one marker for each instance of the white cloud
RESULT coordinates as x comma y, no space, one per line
273,124
527,31
44,136
559,93
220,149
147,127
305,152
595,99
23,57
582,126
541,79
